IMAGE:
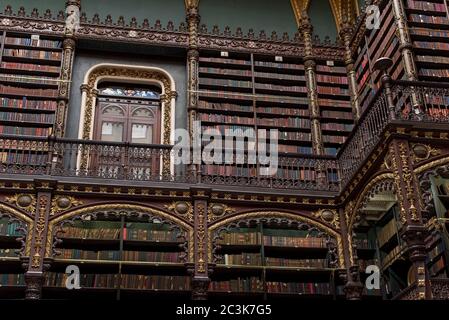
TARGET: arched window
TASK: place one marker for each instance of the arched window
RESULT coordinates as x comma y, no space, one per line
128,113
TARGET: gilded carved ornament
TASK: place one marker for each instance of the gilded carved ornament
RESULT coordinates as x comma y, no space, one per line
26,202
63,203
329,216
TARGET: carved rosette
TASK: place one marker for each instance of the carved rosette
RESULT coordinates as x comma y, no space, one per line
183,209
63,203
26,202
218,210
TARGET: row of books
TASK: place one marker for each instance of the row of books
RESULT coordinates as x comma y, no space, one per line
432,45
337,114
429,32
294,149
27,117
337,126
149,235
428,19
333,90
220,118
8,228
114,233
252,284
25,131
440,73
284,111
334,103
281,88
229,72
331,69
88,255
225,83
332,79
387,232
334,139
225,61
244,238
297,263
426,6
144,282
29,67
278,65
224,106
172,257
253,259
433,59
280,241
33,54
288,77
28,92
299,288
29,159
285,122
33,42
28,79
299,136
12,279
25,103
91,233
296,174
124,281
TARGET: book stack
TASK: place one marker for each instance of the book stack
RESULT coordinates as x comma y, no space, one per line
251,284
299,288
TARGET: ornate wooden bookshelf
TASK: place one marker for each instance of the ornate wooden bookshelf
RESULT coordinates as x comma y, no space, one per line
269,261
120,257
30,68
12,283
429,30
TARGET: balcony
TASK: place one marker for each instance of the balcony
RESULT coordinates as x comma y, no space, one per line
409,103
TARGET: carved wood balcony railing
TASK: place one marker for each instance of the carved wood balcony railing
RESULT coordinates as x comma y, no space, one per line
408,102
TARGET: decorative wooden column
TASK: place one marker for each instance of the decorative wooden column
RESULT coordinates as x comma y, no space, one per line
73,8
193,55
306,29
34,277
200,279
345,34
404,40
408,193
353,287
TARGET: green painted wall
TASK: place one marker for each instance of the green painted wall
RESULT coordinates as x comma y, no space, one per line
54,5
323,20
164,10
259,15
